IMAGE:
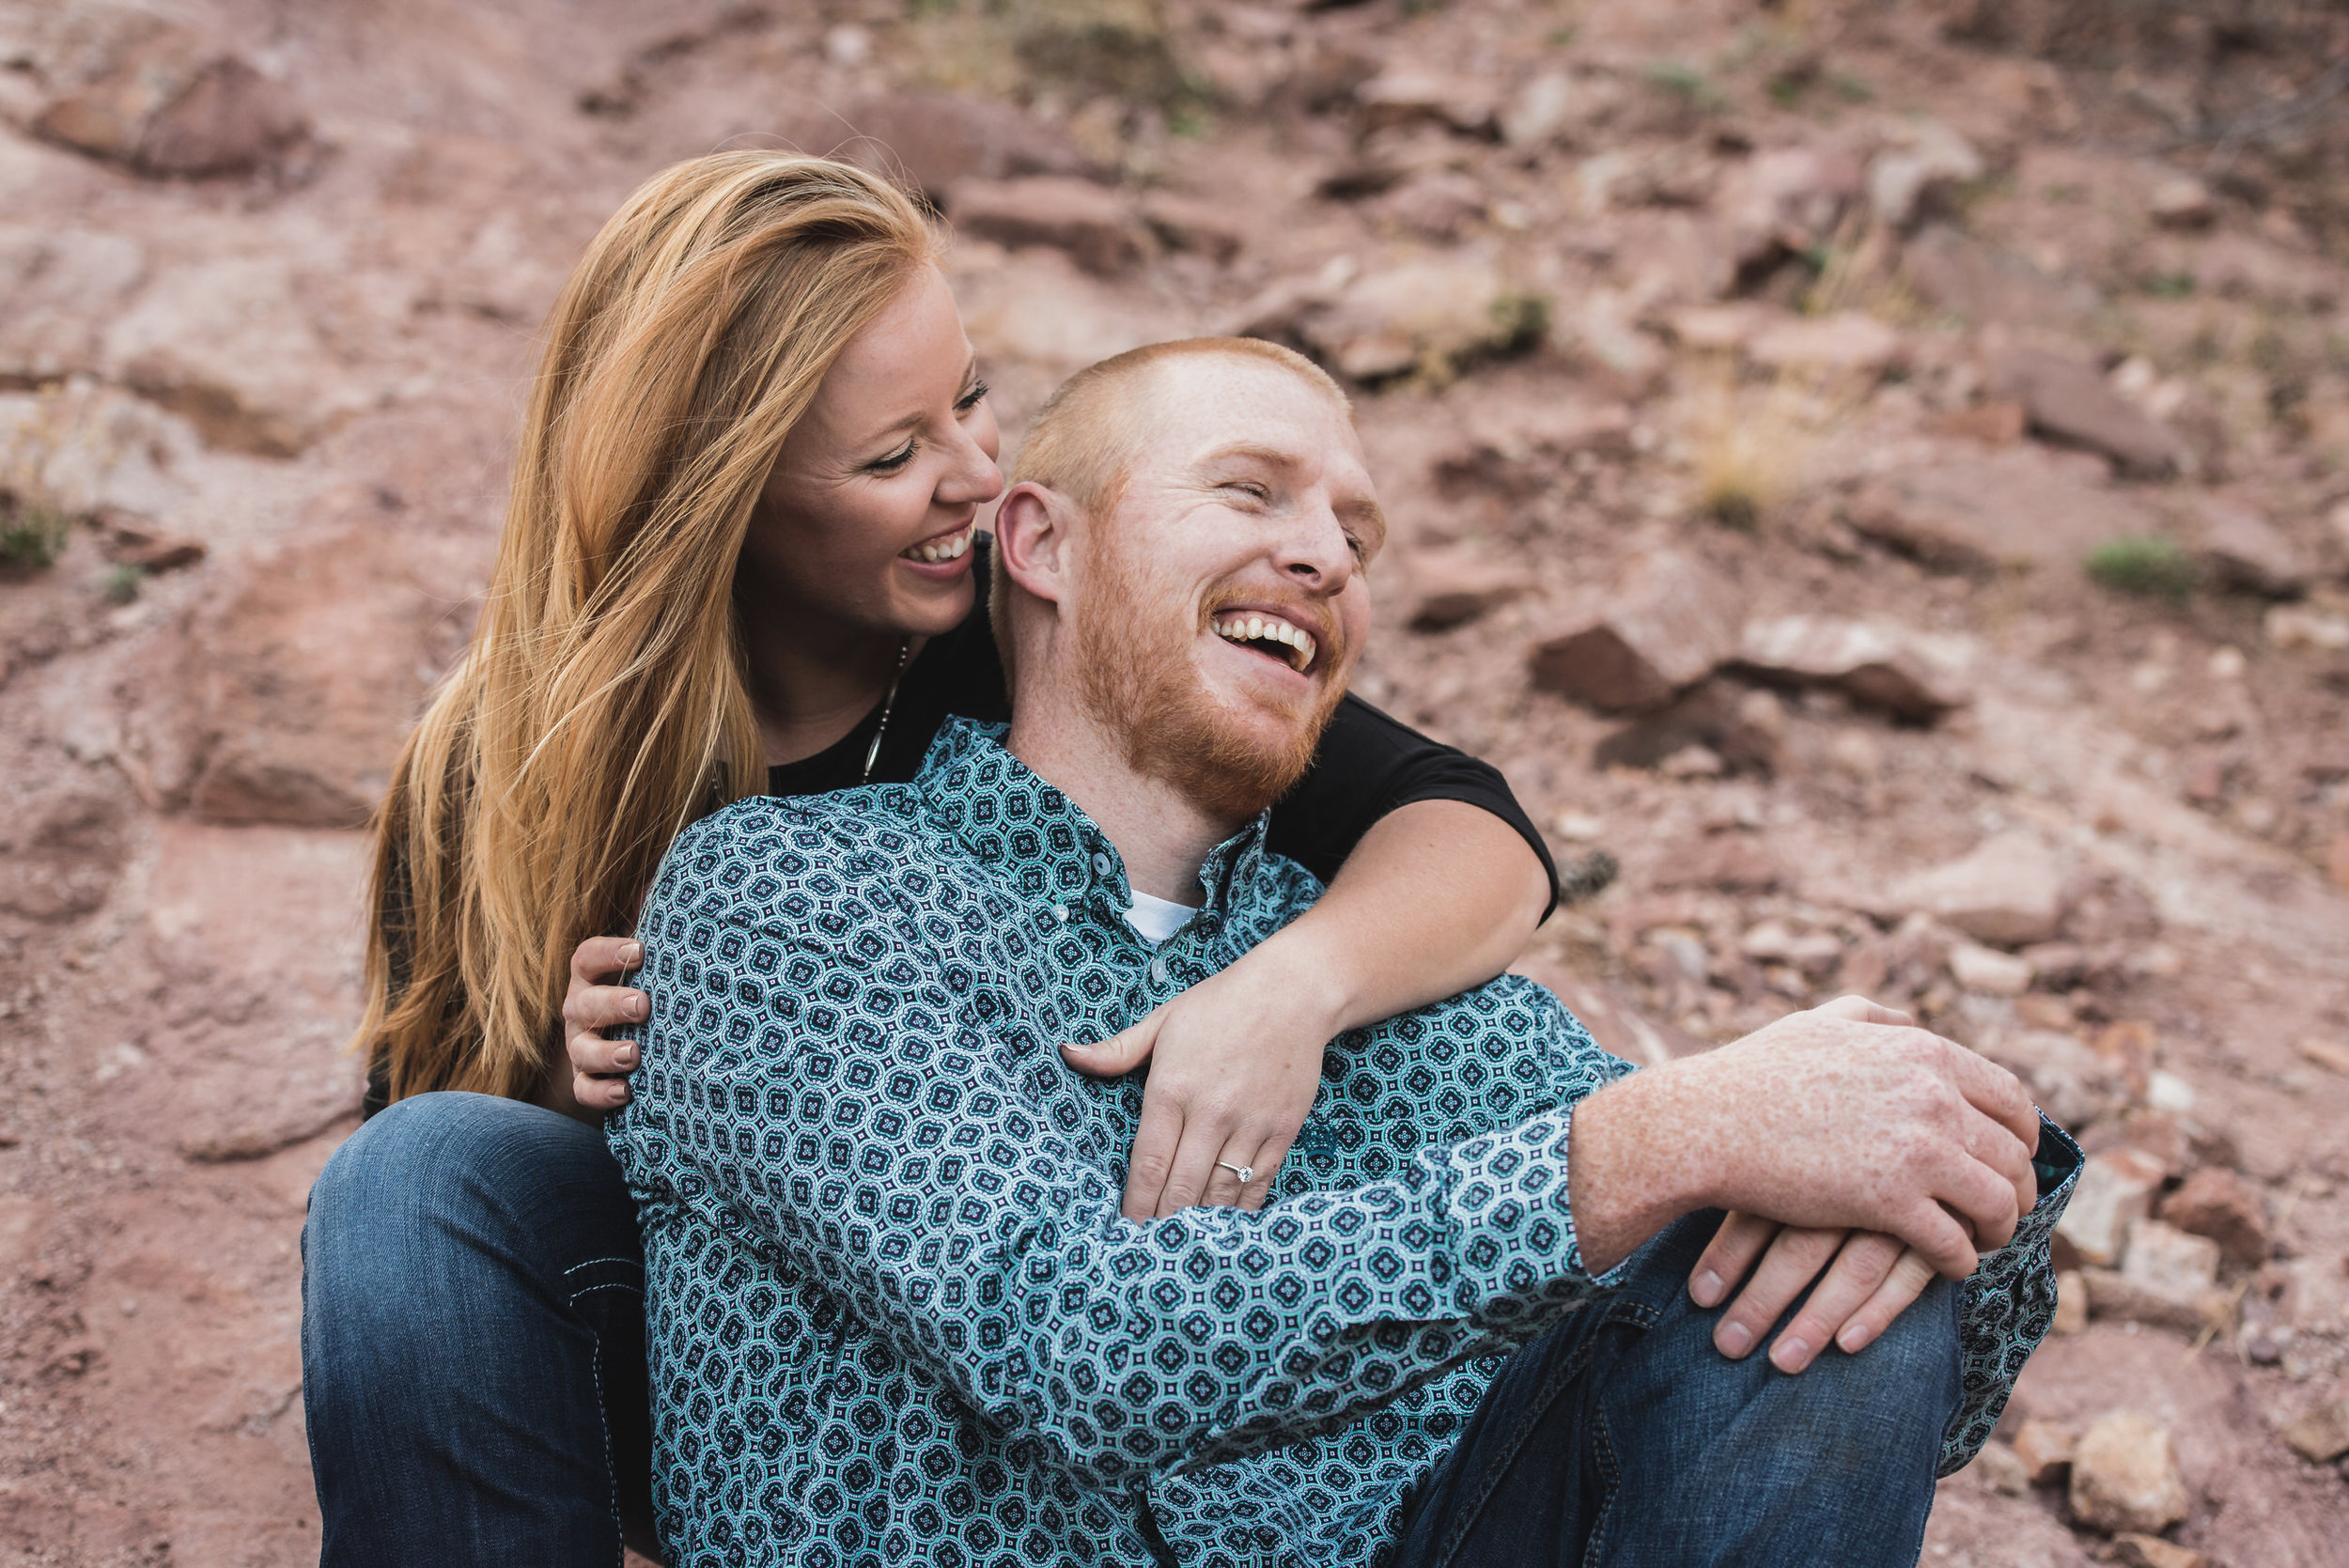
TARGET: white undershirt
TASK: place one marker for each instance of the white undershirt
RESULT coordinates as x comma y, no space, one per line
1156,919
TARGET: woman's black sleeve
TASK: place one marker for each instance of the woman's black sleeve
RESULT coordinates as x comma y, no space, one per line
1369,764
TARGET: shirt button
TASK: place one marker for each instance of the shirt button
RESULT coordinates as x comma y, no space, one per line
1158,971
1100,865
1060,913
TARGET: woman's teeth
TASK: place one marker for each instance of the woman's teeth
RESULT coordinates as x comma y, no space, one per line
950,550
1297,641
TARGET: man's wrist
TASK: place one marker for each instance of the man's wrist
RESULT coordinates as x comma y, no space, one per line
1634,1168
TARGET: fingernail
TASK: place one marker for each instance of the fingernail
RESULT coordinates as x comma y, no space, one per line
1706,1288
625,1056
1734,1339
636,1007
632,953
1790,1355
1853,1339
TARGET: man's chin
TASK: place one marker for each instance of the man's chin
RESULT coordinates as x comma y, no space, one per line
1233,758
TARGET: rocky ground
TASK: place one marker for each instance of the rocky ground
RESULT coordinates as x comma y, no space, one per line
1877,474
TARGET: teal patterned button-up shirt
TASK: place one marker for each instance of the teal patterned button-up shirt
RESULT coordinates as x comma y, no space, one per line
895,1313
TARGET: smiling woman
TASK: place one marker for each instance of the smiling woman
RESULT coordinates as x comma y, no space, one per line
740,557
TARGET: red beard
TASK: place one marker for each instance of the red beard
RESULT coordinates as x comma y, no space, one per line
1139,679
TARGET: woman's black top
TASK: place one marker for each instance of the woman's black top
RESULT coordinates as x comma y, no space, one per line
1367,765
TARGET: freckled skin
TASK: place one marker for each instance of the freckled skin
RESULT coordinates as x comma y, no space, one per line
1824,1119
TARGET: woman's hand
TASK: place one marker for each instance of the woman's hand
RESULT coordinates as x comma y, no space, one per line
1235,1060
1438,895
600,1067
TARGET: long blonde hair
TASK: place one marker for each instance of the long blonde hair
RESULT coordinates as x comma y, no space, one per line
603,704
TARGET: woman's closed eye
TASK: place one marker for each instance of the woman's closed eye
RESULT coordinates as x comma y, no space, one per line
896,459
971,398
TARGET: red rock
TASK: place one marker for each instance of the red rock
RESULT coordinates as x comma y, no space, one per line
2045,1449
2024,507
2151,1551
938,140
1454,586
1848,344
1922,163
1666,622
314,665
2243,549
1740,731
2125,1476
1098,228
2322,1433
2226,1208
1405,97
57,288
2116,1189
1787,199
2007,891
1870,663
1521,452
2181,202
2069,401
1192,223
171,104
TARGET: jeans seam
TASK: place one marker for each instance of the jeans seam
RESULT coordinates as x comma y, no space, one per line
1552,1387
1613,1468
592,1263
611,1469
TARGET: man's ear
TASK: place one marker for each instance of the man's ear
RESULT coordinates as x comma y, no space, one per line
1032,539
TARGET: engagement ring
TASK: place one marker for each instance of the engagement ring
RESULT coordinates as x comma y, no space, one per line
1245,1173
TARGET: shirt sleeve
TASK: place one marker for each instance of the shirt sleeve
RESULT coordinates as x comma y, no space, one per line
811,1091
1369,764
2009,1305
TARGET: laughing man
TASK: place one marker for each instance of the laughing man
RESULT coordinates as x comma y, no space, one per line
896,1315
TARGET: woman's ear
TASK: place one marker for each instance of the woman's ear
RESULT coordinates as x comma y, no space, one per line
1032,539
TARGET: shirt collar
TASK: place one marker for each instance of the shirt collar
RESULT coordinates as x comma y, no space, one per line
1005,815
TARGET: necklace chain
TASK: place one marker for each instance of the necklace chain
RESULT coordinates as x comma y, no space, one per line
872,753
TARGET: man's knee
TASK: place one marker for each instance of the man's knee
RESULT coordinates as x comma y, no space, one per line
1890,1399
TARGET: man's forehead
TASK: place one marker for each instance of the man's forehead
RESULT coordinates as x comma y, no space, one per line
1211,408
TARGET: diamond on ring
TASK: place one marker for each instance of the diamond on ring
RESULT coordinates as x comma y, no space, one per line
1245,1173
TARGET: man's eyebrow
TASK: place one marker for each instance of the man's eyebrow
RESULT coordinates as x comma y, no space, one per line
1257,450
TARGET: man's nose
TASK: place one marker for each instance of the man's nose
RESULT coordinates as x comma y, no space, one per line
1315,552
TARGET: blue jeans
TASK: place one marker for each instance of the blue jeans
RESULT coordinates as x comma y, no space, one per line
1623,1438
472,1349
473,1340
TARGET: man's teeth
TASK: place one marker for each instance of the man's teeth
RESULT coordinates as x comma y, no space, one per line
952,550
1269,629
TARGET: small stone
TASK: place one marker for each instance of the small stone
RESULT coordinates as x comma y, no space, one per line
2125,1476
2072,1083
2069,401
2008,891
1922,160
2002,1471
1456,586
2325,1054
2045,1449
2322,1435
2181,202
2071,1313
2116,1189
1669,620
935,141
1094,224
2172,1262
1692,762
1872,664
2336,860
1547,106
1192,223
1989,971
2152,1551
2166,1091
2295,626
1848,344
1855,754
2120,1299
2226,1208
2241,548
849,44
